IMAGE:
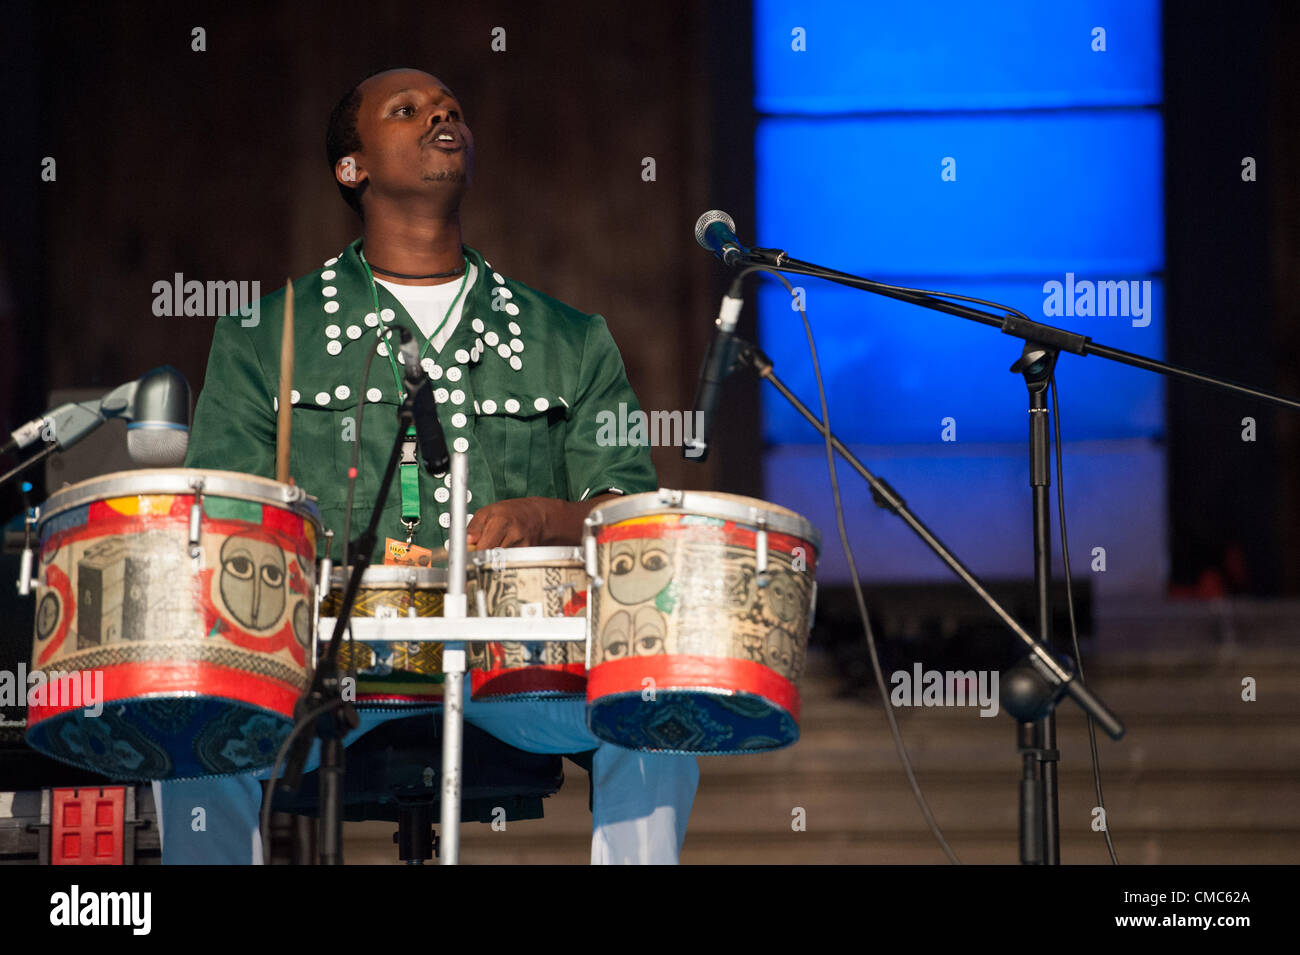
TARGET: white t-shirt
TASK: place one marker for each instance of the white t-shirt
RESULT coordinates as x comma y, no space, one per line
427,304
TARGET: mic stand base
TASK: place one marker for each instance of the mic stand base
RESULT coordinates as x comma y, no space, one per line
1040,824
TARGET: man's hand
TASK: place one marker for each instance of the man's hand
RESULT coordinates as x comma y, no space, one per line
530,522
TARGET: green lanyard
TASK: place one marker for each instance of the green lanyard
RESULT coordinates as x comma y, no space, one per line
409,466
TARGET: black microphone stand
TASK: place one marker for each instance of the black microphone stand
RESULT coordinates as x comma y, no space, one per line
1053,673
1031,701
1040,825
336,715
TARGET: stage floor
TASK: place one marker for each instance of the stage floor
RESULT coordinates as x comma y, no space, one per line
1202,777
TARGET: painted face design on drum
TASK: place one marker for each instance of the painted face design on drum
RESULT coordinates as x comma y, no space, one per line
253,580
47,615
779,651
641,634
301,622
522,654
783,596
638,570
737,581
504,598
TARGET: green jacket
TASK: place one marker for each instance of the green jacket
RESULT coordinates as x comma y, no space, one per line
519,387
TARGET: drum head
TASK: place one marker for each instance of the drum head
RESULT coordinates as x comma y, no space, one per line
745,511
525,557
393,577
164,481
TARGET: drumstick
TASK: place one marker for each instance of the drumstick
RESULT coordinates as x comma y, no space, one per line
285,418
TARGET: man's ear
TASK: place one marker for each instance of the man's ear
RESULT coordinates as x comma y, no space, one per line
348,172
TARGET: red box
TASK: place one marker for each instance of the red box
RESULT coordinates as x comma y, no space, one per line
87,826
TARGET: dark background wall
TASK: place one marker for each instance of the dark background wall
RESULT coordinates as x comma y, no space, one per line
211,164
1284,254
1231,89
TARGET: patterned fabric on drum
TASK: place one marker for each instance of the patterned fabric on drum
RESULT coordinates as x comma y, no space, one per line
694,651
400,674
193,663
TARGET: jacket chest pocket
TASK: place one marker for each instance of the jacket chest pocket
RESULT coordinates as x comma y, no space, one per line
320,453
525,447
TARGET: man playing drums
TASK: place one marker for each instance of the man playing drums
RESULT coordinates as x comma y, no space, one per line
519,378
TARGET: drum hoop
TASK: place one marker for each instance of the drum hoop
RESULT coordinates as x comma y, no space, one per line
704,504
393,577
181,481
518,557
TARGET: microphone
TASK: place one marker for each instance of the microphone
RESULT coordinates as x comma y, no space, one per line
424,408
156,408
716,232
718,364
157,412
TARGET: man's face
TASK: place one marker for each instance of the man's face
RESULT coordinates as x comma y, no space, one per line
414,140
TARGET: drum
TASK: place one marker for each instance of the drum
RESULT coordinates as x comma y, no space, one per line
403,674
528,582
174,612
701,608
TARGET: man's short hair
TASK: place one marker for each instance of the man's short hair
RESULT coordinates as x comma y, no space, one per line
342,138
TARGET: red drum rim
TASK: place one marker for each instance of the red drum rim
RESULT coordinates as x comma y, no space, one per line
680,672
541,681
125,683
749,512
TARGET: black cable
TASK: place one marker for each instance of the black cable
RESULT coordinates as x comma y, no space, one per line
853,572
1074,629
1060,499
832,275
41,455
268,796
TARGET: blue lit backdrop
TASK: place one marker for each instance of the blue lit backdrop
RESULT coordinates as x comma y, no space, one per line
1057,154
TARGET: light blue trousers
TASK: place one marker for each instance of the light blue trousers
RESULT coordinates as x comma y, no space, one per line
641,801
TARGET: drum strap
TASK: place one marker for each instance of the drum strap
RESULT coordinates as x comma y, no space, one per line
409,465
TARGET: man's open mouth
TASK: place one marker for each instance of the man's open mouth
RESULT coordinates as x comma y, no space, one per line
446,139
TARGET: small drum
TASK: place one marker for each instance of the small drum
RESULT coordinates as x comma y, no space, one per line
701,610
528,582
402,674
174,612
